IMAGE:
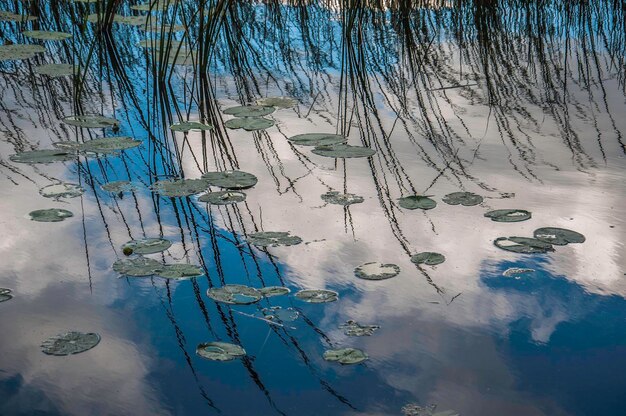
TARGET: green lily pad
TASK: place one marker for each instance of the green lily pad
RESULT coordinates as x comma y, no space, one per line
280,102
62,190
13,17
179,187
185,126
466,199
220,351
55,70
50,215
317,139
148,245
376,271
106,145
90,121
428,257
223,197
345,356
180,271
337,198
523,245
508,215
344,151
42,156
19,52
249,123
137,267
317,295
249,111
46,35
354,329
118,186
231,179
5,294
271,291
273,239
235,294
417,201
558,236
69,343
516,271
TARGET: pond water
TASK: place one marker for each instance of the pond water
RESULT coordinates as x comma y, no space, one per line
521,103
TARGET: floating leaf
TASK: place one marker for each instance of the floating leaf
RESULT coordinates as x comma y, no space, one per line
70,343
67,145
249,123
223,197
220,351
276,313
90,121
13,17
55,70
417,201
334,197
46,35
346,356
148,245
428,257
508,215
61,190
118,186
180,271
231,179
317,139
413,409
50,215
558,236
343,151
179,187
317,295
19,52
523,245
515,271
273,239
467,199
106,145
137,267
271,291
42,156
186,126
280,102
354,329
235,294
376,271
5,294
249,111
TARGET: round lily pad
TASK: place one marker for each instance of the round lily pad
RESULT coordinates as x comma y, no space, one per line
271,291
354,329
69,343
179,187
19,52
428,257
317,139
223,197
180,271
185,126
220,351
109,144
417,201
516,271
61,190
42,156
148,245
343,151
137,267
467,199
5,294
55,70
346,356
508,215
90,121
50,215
231,179
523,245
249,123
276,313
317,295
235,294
558,236
249,111
273,239
376,271
46,35
280,102
337,198
118,186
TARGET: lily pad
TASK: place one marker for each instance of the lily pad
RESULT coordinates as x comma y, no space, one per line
90,121
276,313
5,294
337,198
148,245
249,123
137,267
235,294
19,52
413,409
55,70
466,199
345,356
180,271
106,145
46,35
317,139
417,201
249,111
354,329
42,156
273,239
62,190
271,291
317,295
231,179
220,351
280,102
343,151
179,187
223,197
558,236
516,271
13,17
69,343
50,215
428,257
186,126
376,271
118,186
508,215
523,245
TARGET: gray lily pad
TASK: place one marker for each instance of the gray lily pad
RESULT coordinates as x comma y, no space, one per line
317,139
13,17
69,343
90,121
516,271
558,236
337,198
271,291
42,156
67,145
186,126
5,294
345,356
428,257
55,70
523,245
179,187
317,295
220,351
413,409
273,239
50,215
147,245
19,52
467,199
137,267
62,190
180,271
46,35
508,215
249,111
235,294
223,197
417,201
376,271
276,313
118,186
231,179
249,123
354,329
106,145
344,151
280,102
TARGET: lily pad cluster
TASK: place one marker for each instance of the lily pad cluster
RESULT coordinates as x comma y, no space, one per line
345,356
249,117
428,257
273,239
542,242
354,329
